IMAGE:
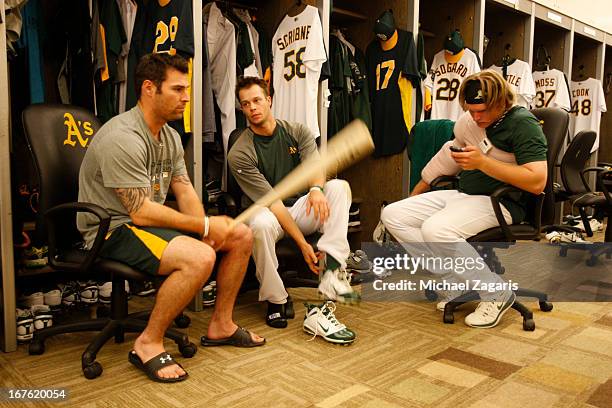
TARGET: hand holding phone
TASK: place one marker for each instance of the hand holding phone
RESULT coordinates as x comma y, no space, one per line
456,149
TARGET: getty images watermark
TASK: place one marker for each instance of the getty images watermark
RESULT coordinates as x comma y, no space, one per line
457,274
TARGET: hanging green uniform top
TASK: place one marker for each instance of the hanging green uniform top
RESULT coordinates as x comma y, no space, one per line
392,73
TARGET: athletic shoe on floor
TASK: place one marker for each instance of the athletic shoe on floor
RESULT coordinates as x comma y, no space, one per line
358,262
31,299
447,296
145,288
105,292
489,312
88,292
596,226
335,285
70,293
34,257
209,295
321,321
42,316
25,325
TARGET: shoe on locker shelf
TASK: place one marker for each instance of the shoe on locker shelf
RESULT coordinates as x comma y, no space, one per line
88,291
70,293
209,294
145,288
25,325
35,257
43,317
28,300
53,298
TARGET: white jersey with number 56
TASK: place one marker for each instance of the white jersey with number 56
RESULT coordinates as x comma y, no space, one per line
444,80
299,54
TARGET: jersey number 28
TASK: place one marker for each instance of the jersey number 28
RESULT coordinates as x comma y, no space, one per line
448,89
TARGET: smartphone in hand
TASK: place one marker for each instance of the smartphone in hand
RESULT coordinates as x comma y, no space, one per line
456,149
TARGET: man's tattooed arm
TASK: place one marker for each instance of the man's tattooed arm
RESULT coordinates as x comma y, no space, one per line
133,198
182,179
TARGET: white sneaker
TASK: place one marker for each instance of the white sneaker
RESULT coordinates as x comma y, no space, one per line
596,226
105,292
321,321
36,298
25,325
70,293
335,285
42,316
88,292
489,313
53,298
447,296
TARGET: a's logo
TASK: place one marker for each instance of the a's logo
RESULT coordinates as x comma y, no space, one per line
73,129
167,357
292,150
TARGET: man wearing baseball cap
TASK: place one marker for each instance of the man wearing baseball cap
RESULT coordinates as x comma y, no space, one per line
496,143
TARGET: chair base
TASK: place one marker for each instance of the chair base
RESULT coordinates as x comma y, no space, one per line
528,322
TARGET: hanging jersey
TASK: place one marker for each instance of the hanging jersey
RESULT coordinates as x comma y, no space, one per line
444,80
163,26
588,102
298,54
392,73
518,75
551,90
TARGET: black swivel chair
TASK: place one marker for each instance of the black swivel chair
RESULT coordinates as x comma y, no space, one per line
57,136
555,124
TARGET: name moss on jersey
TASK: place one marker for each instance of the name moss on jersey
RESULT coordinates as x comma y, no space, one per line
300,33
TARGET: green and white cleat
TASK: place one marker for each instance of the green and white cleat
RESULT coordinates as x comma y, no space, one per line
321,321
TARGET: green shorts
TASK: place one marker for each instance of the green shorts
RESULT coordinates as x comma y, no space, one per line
139,247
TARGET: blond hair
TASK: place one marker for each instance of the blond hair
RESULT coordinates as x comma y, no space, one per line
496,90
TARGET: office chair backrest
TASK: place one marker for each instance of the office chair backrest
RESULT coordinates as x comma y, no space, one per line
574,161
58,136
554,123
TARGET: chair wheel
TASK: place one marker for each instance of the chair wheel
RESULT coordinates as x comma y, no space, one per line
448,318
528,325
182,321
563,252
591,261
502,270
546,306
188,350
431,295
92,371
36,348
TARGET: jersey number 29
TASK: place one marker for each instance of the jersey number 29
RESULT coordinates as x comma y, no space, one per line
163,32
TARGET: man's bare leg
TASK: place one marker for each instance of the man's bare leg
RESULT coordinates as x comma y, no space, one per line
231,272
189,263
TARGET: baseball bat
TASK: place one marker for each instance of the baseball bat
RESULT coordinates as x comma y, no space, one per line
346,148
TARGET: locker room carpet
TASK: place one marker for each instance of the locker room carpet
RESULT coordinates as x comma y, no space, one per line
404,356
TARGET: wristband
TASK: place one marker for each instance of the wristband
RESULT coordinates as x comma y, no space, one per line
316,188
206,227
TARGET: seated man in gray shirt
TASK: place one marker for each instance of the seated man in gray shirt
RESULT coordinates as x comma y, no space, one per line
131,163
263,154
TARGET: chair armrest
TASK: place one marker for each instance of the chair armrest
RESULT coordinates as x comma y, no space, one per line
226,204
590,169
92,253
453,180
495,202
600,179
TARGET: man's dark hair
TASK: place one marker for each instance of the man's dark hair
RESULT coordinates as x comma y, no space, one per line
154,66
247,82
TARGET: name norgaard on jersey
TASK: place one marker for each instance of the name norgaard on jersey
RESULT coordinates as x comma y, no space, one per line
299,33
450,68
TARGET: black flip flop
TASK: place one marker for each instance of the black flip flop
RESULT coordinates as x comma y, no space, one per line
275,316
152,366
240,338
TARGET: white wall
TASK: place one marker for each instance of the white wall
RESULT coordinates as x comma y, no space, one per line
597,13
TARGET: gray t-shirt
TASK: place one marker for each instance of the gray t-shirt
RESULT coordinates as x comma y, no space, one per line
254,169
123,154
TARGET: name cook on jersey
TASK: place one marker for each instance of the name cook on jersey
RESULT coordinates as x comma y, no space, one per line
299,33
450,68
